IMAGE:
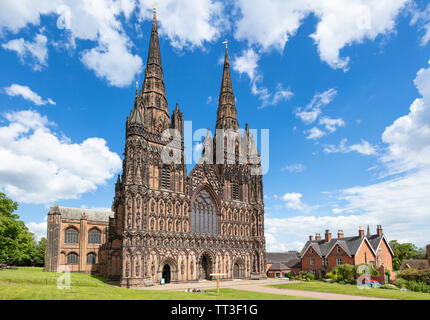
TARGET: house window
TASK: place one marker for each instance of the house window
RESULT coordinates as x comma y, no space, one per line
94,236
338,249
325,262
72,258
165,177
338,261
71,236
312,250
91,258
312,271
312,262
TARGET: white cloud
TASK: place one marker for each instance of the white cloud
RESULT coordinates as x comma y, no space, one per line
331,124
341,23
312,111
299,167
315,133
38,167
247,63
364,147
187,23
39,229
36,51
422,20
293,201
98,21
25,92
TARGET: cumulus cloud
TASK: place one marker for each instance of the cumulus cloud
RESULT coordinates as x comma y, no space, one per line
28,94
331,124
422,20
34,53
38,229
293,201
98,21
341,23
315,133
187,23
39,167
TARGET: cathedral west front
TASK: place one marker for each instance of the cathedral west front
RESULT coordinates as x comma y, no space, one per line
166,223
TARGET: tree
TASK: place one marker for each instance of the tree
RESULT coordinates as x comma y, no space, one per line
404,251
39,253
16,242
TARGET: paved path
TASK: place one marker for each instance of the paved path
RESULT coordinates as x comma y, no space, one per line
260,286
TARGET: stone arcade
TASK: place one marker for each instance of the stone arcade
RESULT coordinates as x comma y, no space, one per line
171,225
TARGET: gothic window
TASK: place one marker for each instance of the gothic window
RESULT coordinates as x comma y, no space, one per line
71,236
165,177
158,102
72,258
94,236
203,215
235,191
91,258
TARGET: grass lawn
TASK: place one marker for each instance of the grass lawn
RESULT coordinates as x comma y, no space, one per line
352,289
34,284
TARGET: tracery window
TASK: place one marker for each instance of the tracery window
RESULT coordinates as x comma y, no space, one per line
71,236
91,258
72,258
203,215
94,236
235,191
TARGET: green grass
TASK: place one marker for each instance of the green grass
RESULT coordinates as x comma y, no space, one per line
34,284
352,289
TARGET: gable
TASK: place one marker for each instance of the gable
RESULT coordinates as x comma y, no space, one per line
203,174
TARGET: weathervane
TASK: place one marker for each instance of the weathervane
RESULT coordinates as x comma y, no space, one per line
226,42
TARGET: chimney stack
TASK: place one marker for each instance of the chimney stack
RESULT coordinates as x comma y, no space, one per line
311,238
318,237
361,232
327,236
379,231
340,234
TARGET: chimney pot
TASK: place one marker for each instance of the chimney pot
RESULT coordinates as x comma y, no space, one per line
327,236
311,238
361,232
318,237
340,234
379,231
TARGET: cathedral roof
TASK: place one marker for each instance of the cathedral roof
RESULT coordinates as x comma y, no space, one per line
77,213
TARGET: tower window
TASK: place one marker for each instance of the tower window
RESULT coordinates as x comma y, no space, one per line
72,258
165,177
94,236
235,191
91,258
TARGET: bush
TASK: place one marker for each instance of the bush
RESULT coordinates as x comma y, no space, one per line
418,286
401,283
415,275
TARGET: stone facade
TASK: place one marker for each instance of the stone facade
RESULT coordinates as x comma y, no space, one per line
177,226
78,233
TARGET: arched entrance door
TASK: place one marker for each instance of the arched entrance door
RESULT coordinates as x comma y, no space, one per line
236,271
205,268
166,273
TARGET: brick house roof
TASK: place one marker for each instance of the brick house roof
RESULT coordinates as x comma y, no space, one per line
349,244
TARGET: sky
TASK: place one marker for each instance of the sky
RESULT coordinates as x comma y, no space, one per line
343,86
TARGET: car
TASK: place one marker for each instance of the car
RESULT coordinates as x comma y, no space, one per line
374,284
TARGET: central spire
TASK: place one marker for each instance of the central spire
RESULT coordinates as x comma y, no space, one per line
227,113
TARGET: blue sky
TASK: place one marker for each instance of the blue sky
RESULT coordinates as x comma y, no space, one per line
343,87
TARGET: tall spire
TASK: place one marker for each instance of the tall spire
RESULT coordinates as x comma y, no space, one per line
153,89
227,113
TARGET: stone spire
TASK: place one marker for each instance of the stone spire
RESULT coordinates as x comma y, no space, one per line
227,113
153,90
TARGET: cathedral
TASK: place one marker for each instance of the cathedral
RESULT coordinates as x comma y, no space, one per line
167,225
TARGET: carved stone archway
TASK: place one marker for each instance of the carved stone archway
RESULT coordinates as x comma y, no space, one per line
172,266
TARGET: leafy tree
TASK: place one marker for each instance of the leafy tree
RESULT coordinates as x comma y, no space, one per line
39,253
404,251
16,242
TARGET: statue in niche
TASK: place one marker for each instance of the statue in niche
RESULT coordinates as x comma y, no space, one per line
192,267
182,267
152,224
152,206
152,267
138,202
137,268
127,269
161,225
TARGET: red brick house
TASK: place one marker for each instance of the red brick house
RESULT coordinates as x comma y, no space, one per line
319,256
279,264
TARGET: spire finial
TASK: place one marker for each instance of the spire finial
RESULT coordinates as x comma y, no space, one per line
226,42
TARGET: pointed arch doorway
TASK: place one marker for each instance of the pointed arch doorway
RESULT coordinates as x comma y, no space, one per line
166,273
236,273
206,267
